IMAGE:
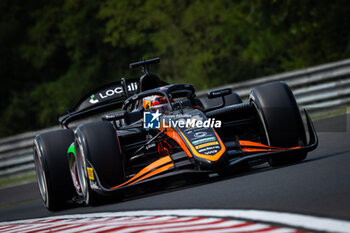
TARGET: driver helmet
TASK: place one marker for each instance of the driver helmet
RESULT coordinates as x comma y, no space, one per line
154,103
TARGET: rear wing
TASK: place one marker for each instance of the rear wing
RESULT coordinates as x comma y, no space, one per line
106,98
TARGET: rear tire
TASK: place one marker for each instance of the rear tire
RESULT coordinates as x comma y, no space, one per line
52,169
97,145
280,120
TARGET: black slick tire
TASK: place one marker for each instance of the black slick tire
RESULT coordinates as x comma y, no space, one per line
52,169
97,146
280,121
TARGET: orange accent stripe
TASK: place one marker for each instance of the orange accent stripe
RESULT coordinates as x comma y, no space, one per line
268,148
256,149
159,170
148,168
249,143
176,137
208,157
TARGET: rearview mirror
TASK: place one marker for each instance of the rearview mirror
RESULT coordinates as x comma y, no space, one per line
219,93
114,116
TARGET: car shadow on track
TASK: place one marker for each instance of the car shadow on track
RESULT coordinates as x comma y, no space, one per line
187,184
325,156
255,170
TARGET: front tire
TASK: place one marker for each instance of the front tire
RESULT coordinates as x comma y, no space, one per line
52,169
97,147
280,121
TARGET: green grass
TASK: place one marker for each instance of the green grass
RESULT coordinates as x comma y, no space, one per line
14,180
330,113
16,203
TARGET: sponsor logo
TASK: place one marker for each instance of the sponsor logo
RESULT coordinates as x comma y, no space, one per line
131,87
207,144
92,100
192,123
211,152
151,120
111,92
90,172
150,146
200,134
203,140
209,149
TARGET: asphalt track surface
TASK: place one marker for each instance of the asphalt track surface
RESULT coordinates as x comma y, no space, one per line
318,186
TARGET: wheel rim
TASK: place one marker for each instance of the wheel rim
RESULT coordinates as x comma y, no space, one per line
82,173
262,121
40,174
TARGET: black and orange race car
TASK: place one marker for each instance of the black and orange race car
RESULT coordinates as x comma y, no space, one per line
164,133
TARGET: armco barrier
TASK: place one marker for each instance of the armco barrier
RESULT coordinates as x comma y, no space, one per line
16,153
320,87
317,87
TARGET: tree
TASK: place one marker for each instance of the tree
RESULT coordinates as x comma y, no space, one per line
53,52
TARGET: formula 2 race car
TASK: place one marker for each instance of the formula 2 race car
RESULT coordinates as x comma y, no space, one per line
164,133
